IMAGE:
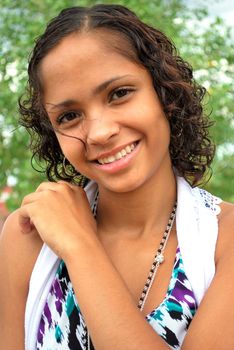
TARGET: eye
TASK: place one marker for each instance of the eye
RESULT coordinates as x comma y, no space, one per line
120,93
68,117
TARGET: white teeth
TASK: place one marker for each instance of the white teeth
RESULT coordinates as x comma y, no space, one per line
128,149
111,159
118,155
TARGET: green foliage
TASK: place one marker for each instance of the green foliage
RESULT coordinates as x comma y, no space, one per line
209,50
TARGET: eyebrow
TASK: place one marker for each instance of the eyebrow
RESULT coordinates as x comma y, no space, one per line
98,89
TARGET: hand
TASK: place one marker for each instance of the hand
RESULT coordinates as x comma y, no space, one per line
61,215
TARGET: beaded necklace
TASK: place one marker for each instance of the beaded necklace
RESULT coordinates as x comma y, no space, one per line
158,260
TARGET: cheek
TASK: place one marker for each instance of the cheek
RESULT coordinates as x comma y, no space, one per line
73,149
153,122
158,129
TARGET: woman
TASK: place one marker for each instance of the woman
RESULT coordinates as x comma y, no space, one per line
136,260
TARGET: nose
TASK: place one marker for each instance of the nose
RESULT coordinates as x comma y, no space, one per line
101,127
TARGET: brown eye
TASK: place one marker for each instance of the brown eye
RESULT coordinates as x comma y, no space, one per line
120,93
68,116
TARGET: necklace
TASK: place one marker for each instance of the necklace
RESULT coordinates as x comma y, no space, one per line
158,260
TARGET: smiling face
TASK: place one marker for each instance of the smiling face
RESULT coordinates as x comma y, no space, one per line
92,92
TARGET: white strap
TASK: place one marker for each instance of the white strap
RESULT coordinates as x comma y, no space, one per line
197,231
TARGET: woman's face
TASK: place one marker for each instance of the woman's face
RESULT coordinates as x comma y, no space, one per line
94,93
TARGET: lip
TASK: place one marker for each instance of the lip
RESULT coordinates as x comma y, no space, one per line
119,164
113,151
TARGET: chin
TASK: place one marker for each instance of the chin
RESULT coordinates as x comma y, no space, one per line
123,186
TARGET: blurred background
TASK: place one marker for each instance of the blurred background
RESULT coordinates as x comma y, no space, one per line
204,35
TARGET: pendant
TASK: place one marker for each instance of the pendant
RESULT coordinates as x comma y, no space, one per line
160,258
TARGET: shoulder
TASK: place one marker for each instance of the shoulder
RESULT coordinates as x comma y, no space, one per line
18,252
225,243
226,219
227,213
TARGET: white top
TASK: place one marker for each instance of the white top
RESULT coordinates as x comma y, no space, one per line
197,231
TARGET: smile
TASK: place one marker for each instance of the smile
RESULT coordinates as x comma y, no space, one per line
121,154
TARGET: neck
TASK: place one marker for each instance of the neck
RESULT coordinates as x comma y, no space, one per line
138,212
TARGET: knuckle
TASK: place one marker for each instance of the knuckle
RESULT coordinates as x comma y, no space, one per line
26,199
64,187
48,193
42,186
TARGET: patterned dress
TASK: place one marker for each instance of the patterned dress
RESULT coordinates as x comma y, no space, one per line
62,325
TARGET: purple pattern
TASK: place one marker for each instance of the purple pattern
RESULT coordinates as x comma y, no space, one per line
173,316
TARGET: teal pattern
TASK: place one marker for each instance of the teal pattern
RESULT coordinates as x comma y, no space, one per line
173,316
62,325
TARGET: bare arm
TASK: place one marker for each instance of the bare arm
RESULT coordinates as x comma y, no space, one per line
111,314
213,325
17,257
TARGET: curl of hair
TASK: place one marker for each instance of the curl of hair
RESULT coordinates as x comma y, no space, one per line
191,149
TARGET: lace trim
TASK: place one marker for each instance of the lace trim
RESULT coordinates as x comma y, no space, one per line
211,202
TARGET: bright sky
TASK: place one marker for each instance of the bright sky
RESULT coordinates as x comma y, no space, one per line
224,9
221,8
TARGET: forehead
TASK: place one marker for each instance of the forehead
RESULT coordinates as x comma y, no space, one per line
81,60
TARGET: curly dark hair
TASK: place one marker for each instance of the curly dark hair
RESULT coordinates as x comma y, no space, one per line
191,149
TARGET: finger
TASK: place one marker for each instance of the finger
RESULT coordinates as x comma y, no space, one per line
30,198
67,187
60,186
25,222
53,186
